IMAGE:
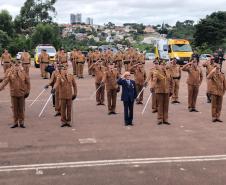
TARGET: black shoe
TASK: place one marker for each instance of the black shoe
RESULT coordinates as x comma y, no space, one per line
154,111
160,123
98,104
102,104
68,125
110,113
64,125
166,123
173,102
14,126
131,124
177,102
194,110
218,120
114,113
57,114
214,120
22,126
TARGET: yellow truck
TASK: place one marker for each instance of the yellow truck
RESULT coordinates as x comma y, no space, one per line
167,49
49,49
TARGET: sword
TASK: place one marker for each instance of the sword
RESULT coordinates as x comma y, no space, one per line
37,97
140,92
146,104
45,105
95,91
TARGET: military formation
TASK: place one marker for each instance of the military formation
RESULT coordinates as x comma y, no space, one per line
106,68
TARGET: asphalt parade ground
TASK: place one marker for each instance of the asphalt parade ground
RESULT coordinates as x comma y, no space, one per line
100,150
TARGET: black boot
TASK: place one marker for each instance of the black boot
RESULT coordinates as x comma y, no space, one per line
208,98
14,126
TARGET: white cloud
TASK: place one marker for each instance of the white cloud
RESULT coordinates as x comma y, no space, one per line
121,11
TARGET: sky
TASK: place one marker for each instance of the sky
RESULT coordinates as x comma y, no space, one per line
151,12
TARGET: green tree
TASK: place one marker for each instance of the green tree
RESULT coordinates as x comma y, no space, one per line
4,40
34,12
182,30
6,23
211,30
46,34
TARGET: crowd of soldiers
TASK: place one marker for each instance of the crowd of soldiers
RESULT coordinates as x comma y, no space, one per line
106,67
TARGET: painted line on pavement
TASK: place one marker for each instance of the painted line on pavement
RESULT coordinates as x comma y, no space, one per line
83,164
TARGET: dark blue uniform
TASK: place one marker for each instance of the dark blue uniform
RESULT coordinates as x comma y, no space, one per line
129,94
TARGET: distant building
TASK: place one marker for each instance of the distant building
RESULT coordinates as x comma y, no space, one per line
89,21
76,18
72,18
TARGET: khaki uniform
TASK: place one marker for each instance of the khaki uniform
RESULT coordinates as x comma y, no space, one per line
141,58
127,61
110,80
162,83
194,80
6,60
151,80
26,61
176,75
90,62
209,67
95,57
44,62
62,58
140,78
217,87
67,88
57,95
19,83
118,58
99,74
80,64
73,57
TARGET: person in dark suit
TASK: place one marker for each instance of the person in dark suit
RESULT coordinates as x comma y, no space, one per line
129,94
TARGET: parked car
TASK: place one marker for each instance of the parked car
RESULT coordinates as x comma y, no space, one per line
18,55
150,56
205,56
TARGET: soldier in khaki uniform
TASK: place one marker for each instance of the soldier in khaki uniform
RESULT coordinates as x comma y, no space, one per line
44,62
118,58
90,62
73,58
19,90
162,85
52,82
141,58
62,57
26,61
194,81
110,79
81,59
95,57
6,60
127,59
209,65
67,93
140,80
217,87
99,73
150,80
176,75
